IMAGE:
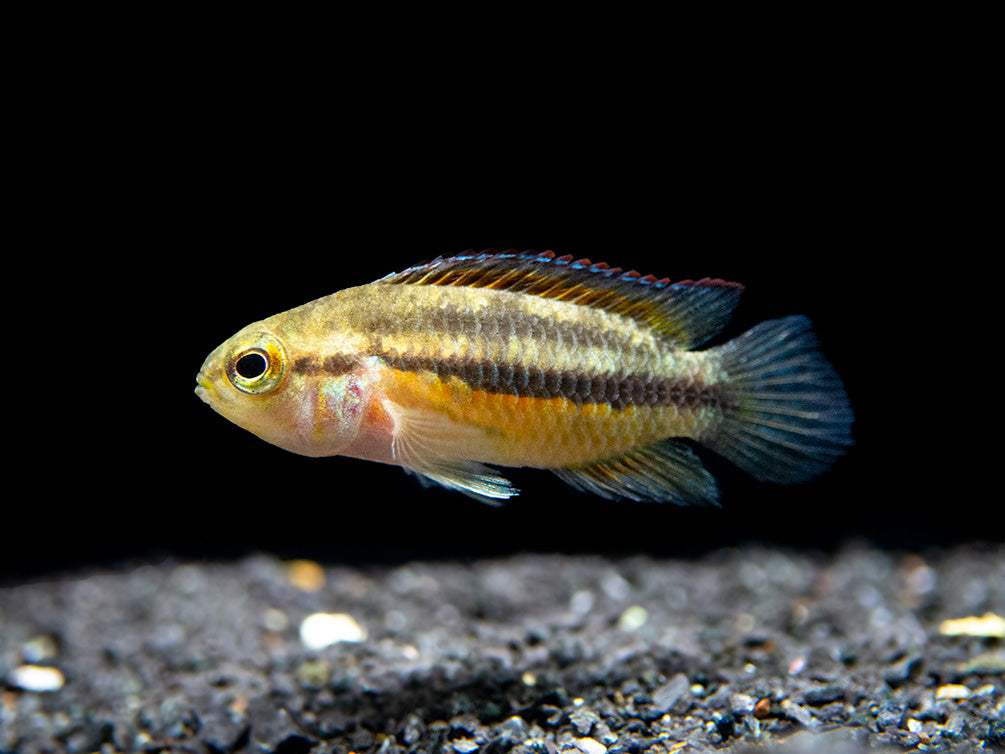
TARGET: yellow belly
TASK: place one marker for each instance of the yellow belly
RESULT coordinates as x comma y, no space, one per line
537,432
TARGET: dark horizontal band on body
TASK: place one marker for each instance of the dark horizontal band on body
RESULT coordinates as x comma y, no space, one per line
451,322
618,390
332,366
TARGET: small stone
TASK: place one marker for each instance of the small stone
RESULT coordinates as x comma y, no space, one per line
314,674
221,730
36,678
742,703
956,724
606,735
514,729
951,691
986,663
464,745
667,695
889,715
615,586
413,730
320,630
305,575
989,625
590,746
583,720
633,618
800,714
824,695
920,578
902,671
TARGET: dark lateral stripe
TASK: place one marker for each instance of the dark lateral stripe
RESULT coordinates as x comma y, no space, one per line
332,366
453,321
619,390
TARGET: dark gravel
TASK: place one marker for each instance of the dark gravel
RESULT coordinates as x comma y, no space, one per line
534,653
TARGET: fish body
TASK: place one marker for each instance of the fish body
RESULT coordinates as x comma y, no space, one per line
525,359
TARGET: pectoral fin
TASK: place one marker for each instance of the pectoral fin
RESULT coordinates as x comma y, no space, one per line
667,471
428,444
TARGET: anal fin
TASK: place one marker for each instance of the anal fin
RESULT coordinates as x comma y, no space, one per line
666,471
429,444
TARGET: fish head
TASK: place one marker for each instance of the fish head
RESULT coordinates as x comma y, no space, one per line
257,380
245,379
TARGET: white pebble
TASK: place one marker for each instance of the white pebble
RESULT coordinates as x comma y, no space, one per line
633,618
36,678
321,630
590,746
951,691
988,624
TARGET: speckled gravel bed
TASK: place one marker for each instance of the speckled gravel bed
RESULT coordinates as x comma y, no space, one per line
533,653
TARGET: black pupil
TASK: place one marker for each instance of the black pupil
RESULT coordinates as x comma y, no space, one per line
251,365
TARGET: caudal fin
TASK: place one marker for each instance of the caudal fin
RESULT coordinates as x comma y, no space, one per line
788,417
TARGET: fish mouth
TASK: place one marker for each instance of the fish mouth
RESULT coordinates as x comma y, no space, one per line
204,388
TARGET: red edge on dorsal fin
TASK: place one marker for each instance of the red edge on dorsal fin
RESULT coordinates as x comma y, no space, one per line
711,283
569,260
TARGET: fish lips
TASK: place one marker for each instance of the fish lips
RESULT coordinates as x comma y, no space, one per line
204,389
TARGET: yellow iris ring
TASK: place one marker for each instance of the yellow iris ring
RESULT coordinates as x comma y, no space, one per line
271,350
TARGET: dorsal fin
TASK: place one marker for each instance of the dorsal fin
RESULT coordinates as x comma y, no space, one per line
685,313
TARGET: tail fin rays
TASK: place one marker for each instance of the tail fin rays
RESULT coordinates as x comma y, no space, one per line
788,417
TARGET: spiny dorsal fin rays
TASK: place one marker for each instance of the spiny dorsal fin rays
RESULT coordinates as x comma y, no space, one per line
684,314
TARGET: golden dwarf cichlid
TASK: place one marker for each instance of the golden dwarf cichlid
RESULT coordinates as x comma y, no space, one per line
525,359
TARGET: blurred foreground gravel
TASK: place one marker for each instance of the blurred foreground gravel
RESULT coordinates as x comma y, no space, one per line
740,649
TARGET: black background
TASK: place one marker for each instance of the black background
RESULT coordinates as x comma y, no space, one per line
185,208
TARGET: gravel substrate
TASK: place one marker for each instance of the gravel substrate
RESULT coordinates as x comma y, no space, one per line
532,653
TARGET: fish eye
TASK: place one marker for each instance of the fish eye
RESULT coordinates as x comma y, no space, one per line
257,364
252,365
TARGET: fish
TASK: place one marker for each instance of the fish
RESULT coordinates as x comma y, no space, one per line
454,367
